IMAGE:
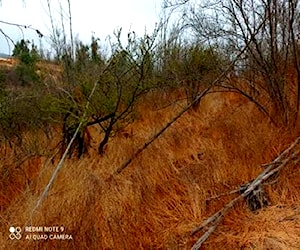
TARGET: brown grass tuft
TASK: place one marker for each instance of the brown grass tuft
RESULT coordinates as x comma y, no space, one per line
166,191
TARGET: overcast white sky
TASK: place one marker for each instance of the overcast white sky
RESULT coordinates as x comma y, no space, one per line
98,17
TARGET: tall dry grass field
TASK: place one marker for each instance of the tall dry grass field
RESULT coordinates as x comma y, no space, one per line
166,191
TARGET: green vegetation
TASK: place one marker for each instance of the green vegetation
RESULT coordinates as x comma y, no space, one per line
157,169
163,59
26,68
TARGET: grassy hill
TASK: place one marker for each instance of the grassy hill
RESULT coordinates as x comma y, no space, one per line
167,191
184,137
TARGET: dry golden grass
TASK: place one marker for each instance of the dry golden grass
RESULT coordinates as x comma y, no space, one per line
163,194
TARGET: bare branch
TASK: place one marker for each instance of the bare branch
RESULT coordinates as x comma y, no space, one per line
20,26
174,4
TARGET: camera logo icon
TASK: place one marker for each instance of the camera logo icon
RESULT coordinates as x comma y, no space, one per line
15,233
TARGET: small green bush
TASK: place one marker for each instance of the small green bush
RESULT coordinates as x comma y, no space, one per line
26,68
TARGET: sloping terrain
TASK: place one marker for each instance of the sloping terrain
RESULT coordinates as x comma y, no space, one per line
166,191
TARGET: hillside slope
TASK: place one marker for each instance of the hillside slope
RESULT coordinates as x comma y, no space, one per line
167,190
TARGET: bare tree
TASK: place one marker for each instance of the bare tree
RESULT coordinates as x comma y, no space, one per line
71,30
126,75
270,30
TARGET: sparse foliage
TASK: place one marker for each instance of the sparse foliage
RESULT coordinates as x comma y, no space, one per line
192,67
269,30
121,81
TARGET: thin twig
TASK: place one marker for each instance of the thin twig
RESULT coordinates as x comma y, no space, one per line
23,26
223,194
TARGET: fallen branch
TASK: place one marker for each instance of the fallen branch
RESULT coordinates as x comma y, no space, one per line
291,154
152,139
185,109
196,100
